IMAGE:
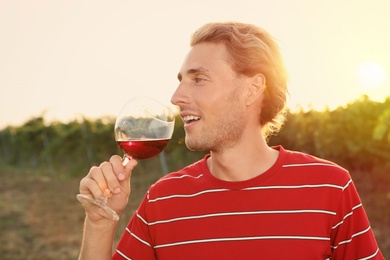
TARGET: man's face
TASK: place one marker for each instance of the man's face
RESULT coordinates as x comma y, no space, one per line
210,97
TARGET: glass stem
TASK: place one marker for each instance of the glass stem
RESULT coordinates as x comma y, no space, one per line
126,160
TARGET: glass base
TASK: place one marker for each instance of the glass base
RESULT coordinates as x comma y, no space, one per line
99,207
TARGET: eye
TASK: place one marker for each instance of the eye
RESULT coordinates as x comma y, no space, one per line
198,80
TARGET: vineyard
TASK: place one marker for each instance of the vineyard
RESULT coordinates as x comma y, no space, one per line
41,164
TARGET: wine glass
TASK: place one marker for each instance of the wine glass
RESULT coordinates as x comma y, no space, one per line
143,129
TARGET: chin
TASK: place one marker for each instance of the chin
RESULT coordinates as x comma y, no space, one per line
195,146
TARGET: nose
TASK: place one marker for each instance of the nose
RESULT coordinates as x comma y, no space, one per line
179,96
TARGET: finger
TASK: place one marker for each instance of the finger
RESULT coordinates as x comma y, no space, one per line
119,169
89,186
97,175
122,167
111,180
110,171
120,175
123,173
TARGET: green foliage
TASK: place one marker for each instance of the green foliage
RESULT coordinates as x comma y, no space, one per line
75,146
72,147
357,136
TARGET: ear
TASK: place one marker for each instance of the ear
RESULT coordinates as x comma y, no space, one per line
255,88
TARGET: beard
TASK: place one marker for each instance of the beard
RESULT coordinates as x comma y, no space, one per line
224,133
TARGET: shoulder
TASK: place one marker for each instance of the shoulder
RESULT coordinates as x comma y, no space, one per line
312,167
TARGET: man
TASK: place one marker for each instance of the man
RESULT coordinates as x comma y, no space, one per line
245,200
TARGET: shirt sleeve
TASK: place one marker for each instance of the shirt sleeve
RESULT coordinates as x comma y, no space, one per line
135,242
351,234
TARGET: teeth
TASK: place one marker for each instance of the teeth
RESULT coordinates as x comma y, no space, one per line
191,118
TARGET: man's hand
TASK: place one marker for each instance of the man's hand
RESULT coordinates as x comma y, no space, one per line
110,180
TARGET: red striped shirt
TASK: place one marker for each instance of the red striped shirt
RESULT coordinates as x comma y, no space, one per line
301,208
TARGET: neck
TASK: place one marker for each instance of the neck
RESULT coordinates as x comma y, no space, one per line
248,159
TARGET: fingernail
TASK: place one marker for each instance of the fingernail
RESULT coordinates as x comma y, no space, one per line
121,176
117,190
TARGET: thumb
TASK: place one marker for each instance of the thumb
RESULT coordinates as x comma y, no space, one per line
124,178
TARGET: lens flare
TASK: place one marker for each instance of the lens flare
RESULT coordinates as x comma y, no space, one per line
371,75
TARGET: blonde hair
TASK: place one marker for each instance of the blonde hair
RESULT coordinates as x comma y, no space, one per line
253,50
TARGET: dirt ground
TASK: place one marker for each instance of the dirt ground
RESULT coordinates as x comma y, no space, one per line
40,217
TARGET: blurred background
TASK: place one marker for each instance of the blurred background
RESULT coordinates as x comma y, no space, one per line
67,67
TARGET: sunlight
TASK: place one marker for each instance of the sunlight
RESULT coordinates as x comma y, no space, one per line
370,75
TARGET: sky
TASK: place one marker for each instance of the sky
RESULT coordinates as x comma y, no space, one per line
68,59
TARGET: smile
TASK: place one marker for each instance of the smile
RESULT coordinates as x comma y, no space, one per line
189,119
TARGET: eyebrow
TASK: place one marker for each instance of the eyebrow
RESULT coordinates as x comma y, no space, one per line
192,71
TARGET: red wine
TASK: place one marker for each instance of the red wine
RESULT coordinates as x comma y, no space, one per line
143,149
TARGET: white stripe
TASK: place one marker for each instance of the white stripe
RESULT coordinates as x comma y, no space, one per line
123,255
238,213
317,164
354,235
309,164
370,256
357,206
142,219
180,177
295,187
342,221
139,239
346,185
187,195
250,188
347,215
239,239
